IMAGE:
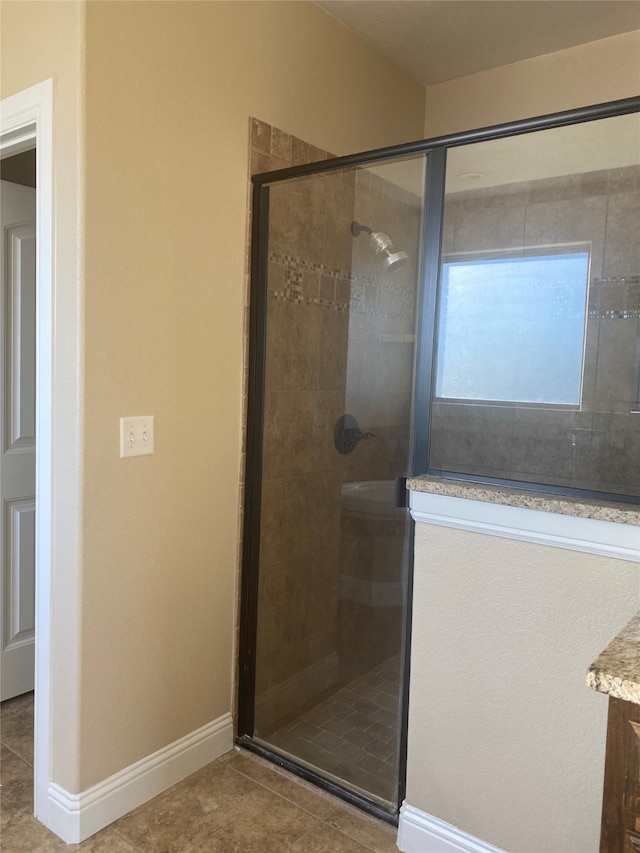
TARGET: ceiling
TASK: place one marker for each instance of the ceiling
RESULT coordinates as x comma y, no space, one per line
439,40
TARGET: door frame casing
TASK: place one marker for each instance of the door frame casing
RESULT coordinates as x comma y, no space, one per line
26,121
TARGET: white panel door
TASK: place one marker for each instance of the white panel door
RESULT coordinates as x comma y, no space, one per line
18,437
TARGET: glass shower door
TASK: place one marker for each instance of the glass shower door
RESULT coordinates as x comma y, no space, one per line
333,544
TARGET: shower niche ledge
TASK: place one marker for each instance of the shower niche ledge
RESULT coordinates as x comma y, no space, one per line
607,528
371,498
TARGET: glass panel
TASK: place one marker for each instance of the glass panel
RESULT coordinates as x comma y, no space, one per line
537,353
343,257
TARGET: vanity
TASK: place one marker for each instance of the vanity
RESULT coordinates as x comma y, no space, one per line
616,672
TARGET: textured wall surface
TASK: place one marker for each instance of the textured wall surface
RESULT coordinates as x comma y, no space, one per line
506,741
145,633
170,88
587,74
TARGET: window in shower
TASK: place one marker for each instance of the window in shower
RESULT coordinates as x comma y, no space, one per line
533,310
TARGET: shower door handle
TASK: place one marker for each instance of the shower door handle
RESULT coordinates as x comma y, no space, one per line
401,493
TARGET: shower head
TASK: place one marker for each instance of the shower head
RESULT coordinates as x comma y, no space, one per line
382,244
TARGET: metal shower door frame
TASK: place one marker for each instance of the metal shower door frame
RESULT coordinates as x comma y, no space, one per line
435,151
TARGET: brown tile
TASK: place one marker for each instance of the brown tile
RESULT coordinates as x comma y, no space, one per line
234,840
260,820
542,442
317,154
371,833
176,818
616,368
579,220
304,152
293,346
488,227
27,835
339,207
217,809
16,728
260,135
337,735
374,835
560,188
622,246
11,766
17,790
296,218
300,151
107,841
310,800
327,840
327,288
624,179
289,447
281,144
285,533
343,292
261,162
19,705
20,829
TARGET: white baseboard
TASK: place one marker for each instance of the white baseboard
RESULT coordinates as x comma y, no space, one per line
75,817
419,832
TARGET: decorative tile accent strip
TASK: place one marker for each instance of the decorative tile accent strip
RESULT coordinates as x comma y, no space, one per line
369,295
630,279
622,314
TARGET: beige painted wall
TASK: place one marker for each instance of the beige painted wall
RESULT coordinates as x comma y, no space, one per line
170,87
41,40
588,74
505,739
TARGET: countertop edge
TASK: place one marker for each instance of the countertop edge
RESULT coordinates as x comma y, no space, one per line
616,670
611,685
613,511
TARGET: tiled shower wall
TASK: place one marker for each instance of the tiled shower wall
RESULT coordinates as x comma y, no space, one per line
339,340
598,446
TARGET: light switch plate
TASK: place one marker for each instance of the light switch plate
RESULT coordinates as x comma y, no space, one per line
136,436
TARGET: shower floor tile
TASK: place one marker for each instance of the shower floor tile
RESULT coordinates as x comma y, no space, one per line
352,734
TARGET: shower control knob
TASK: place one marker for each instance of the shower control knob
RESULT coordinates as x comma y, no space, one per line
347,435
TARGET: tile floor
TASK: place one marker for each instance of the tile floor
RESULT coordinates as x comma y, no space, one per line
237,804
352,734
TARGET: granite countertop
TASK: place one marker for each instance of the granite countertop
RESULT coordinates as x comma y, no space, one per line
622,513
617,670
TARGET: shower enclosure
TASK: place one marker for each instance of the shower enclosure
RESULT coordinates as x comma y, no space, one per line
339,268
388,339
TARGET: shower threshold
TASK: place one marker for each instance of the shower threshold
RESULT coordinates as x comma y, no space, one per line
347,743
